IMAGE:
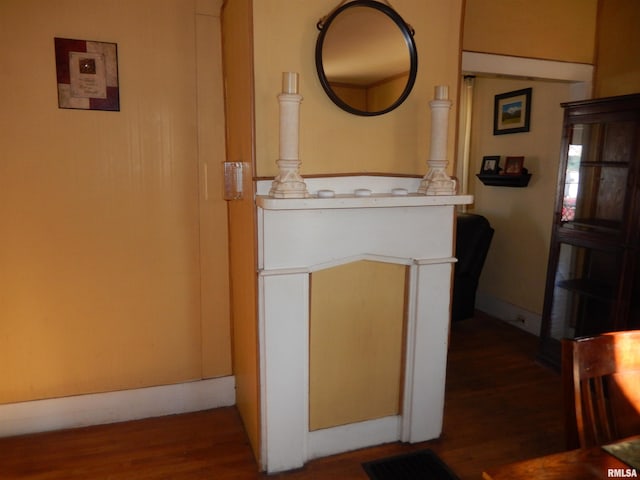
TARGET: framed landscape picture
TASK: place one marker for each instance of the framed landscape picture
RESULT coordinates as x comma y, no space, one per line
512,112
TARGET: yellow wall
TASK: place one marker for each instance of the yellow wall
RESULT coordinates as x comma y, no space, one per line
238,68
600,32
334,141
516,264
386,93
545,29
113,263
356,343
101,254
566,31
214,243
618,60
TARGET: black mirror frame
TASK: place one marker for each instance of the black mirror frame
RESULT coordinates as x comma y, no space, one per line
407,32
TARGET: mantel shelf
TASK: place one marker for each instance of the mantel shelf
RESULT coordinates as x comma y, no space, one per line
351,201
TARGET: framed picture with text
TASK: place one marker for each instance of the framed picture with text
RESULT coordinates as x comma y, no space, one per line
87,74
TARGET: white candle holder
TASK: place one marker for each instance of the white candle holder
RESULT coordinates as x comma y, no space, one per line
289,183
436,181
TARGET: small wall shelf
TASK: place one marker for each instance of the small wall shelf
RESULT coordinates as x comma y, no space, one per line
497,180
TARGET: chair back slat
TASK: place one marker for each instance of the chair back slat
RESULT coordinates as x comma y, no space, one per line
602,388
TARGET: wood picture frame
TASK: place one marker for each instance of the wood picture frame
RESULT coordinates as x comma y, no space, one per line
512,112
513,166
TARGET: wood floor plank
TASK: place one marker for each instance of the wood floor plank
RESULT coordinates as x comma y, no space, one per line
501,406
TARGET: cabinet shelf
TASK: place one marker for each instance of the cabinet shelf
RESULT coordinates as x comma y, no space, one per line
497,180
589,288
605,164
593,224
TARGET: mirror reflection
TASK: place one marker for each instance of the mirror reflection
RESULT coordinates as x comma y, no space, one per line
366,58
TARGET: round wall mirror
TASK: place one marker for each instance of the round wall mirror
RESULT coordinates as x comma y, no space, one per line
366,57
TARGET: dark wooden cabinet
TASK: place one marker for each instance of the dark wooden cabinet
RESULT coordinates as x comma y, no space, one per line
593,274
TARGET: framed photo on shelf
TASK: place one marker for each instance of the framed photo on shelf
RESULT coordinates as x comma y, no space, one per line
512,112
490,165
513,165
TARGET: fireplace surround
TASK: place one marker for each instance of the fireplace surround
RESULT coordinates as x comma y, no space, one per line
297,236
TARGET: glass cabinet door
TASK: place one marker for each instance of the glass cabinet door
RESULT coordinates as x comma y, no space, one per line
584,291
596,174
593,271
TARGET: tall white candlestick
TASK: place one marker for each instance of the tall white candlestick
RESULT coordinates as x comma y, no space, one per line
289,126
439,129
441,92
436,181
289,183
290,82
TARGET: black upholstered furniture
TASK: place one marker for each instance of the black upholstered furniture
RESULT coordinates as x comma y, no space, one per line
473,237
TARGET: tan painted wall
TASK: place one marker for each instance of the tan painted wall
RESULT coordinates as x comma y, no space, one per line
566,31
515,267
238,67
356,343
618,64
102,262
214,245
334,141
546,29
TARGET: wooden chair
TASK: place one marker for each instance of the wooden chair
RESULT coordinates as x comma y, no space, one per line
601,381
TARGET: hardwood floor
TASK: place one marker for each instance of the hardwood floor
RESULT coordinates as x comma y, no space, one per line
501,406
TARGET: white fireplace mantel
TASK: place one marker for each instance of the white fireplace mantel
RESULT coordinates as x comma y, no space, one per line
299,236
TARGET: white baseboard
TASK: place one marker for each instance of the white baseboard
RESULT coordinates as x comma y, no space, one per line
99,408
321,443
507,312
